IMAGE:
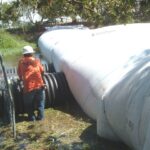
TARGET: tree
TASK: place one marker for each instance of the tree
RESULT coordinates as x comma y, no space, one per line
143,12
9,13
96,12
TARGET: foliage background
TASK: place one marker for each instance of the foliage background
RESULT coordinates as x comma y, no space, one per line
94,12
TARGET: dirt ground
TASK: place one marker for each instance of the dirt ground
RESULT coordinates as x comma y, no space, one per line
64,128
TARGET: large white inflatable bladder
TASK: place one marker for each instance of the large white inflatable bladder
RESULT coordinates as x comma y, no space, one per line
107,70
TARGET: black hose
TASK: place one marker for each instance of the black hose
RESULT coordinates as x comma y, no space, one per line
1,104
48,94
58,87
6,108
45,67
52,87
49,68
17,92
64,88
57,92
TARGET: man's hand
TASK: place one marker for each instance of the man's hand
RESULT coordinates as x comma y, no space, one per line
45,86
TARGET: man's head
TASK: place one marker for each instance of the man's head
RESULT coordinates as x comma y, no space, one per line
27,50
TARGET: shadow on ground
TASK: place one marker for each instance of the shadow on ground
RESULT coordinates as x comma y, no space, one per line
89,139
96,143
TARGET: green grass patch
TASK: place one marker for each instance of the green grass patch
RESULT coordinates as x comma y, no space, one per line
12,44
64,128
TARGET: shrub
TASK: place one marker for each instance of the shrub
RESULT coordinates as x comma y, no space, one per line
11,44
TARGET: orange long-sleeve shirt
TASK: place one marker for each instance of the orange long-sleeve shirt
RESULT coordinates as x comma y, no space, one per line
30,72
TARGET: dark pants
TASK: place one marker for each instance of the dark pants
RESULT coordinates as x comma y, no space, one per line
30,99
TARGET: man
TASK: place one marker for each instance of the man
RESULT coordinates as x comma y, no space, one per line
30,71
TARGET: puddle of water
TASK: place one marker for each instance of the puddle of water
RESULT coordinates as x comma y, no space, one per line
11,61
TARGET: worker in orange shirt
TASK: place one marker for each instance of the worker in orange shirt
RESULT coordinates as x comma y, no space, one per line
30,71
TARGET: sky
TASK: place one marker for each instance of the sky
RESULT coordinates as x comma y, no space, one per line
6,1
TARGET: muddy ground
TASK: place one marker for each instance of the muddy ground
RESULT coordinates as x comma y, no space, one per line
65,127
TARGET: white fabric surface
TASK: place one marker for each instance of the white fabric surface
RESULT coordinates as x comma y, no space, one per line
107,70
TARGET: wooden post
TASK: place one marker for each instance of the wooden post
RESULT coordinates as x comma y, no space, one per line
10,98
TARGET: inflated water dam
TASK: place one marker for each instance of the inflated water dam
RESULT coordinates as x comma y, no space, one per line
108,72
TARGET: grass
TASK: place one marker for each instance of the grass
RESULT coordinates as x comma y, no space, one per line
11,44
64,128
